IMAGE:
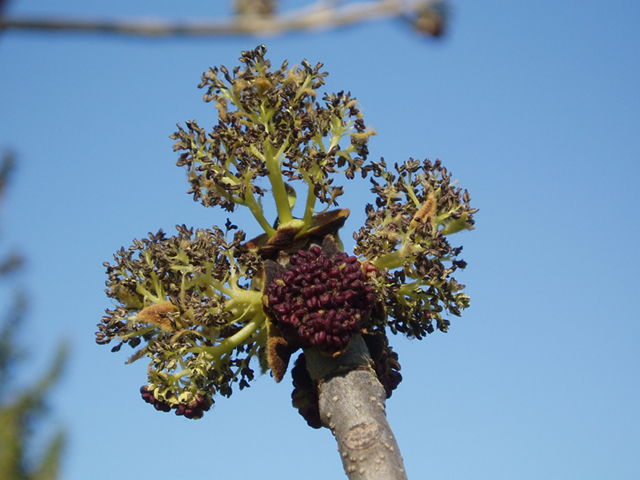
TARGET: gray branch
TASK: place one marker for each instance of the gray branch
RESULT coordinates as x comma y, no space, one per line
323,15
352,405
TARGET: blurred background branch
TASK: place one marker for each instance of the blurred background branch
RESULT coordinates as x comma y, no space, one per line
253,17
22,409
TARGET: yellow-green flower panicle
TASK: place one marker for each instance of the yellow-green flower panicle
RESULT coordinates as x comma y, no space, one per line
271,134
405,237
191,305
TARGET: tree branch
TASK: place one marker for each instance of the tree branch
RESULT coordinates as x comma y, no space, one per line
322,15
351,403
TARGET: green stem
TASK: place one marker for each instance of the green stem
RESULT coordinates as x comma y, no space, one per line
390,260
277,184
411,194
309,207
245,297
398,258
253,206
227,345
148,295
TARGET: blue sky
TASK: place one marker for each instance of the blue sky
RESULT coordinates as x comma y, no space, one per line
534,107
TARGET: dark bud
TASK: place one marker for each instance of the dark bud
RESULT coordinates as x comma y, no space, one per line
305,393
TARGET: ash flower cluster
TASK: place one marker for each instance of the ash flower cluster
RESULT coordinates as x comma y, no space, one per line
321,299
305,393
405,237
385,361
207,307
194,409
193,309
271,128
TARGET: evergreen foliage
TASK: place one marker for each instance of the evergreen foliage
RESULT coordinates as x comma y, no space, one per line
22,410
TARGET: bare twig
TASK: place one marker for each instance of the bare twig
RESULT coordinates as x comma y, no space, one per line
322,15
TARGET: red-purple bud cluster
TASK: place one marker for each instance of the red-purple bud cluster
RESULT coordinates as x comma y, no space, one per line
195,409
321,300
305,393
385,360
387,369
147,396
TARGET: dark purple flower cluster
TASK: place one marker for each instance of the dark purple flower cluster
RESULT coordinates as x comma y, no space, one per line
387,369
195,409
148,397
321,300
305,393
384,360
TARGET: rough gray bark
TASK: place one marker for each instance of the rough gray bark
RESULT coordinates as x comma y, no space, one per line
352,405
